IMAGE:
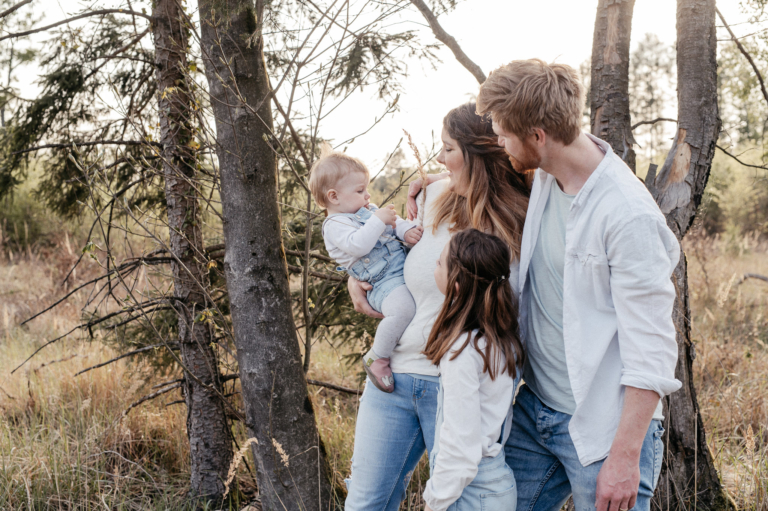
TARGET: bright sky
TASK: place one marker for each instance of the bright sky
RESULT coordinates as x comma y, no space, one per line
491,32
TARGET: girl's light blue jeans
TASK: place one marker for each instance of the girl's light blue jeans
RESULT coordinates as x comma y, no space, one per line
492,489
391,434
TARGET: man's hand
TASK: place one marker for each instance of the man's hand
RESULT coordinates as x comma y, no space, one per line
387,215
617,483
357,291
413,190
619,477
413,235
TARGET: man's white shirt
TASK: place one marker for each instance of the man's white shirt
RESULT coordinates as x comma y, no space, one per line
617,297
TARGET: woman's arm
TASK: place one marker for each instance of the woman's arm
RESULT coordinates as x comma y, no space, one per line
358,293
413,190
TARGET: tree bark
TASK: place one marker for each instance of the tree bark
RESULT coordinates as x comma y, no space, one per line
689,479
210,440
609,90
279,412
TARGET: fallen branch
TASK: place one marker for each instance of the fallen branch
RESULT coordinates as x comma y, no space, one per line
752,276
35,370
327,385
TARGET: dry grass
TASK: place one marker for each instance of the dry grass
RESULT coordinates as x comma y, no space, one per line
63,441
730,330
63,445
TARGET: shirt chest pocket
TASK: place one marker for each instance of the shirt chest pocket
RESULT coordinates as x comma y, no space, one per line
592,277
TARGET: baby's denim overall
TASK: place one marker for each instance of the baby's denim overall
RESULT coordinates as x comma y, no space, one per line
493,488
382,267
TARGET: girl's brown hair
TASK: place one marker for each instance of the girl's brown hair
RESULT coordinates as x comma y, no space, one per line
482,302
497,196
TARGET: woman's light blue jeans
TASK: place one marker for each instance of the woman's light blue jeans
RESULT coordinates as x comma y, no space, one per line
547,469
391,434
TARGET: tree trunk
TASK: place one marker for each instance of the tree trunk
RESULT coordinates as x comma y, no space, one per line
689,479
278,409
210,440
609,90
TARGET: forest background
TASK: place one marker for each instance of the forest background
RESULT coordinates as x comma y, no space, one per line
110,125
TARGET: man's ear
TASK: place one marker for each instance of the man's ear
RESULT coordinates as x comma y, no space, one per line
539,137
332,196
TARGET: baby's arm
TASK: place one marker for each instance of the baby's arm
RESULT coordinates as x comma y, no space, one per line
344,234
403,226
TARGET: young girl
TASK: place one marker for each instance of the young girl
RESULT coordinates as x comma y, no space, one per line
476,345
366,242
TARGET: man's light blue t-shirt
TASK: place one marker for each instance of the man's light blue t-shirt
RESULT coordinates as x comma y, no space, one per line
545,370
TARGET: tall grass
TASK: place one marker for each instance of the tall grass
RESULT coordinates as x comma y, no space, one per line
64,443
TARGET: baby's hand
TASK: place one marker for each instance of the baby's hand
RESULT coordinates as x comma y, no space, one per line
413,235
387,215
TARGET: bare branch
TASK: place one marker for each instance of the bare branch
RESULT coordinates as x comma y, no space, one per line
654,121
124,355
449,41
313,255
85,144
75,18
745,53
14,8
334,387
741,162
324,276
149,397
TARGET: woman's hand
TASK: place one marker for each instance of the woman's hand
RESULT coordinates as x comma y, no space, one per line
357,291
413,190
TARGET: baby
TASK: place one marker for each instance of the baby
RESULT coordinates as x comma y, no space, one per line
366,242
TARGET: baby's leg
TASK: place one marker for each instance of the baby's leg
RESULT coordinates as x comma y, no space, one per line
398,309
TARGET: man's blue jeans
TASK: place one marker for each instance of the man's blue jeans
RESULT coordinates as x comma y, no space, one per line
541,454
391,434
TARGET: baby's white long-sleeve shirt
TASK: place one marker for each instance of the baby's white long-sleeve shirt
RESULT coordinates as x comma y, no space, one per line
474,409
346,241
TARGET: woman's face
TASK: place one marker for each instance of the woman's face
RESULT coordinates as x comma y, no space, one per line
441,270
453,158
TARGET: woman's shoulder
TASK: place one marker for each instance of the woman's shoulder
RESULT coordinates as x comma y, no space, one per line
436,189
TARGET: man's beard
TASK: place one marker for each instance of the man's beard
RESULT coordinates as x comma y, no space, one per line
529,160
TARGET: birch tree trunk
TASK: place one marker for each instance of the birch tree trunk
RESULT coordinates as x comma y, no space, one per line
291,460
609,90
209,436
689,479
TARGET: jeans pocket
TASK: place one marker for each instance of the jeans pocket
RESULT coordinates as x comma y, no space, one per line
658,454
499,501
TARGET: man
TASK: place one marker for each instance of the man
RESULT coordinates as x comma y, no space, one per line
595,306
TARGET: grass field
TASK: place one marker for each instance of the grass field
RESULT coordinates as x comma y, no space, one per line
65,444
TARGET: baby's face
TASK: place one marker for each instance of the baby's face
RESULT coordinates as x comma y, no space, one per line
352,193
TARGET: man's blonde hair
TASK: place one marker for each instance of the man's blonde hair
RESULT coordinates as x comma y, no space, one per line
329,169
527,94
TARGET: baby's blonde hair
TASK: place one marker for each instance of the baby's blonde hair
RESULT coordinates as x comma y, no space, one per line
329,169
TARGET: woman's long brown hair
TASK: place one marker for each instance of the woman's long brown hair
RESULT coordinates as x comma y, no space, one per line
497,196
483,302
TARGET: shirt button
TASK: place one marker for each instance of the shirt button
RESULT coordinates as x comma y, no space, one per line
357,216
367,260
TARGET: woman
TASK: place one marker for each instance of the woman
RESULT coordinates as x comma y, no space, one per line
484,192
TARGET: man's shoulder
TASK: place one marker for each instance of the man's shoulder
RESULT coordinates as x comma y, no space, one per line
620,194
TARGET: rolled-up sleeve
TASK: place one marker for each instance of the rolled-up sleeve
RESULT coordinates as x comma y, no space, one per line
642,254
